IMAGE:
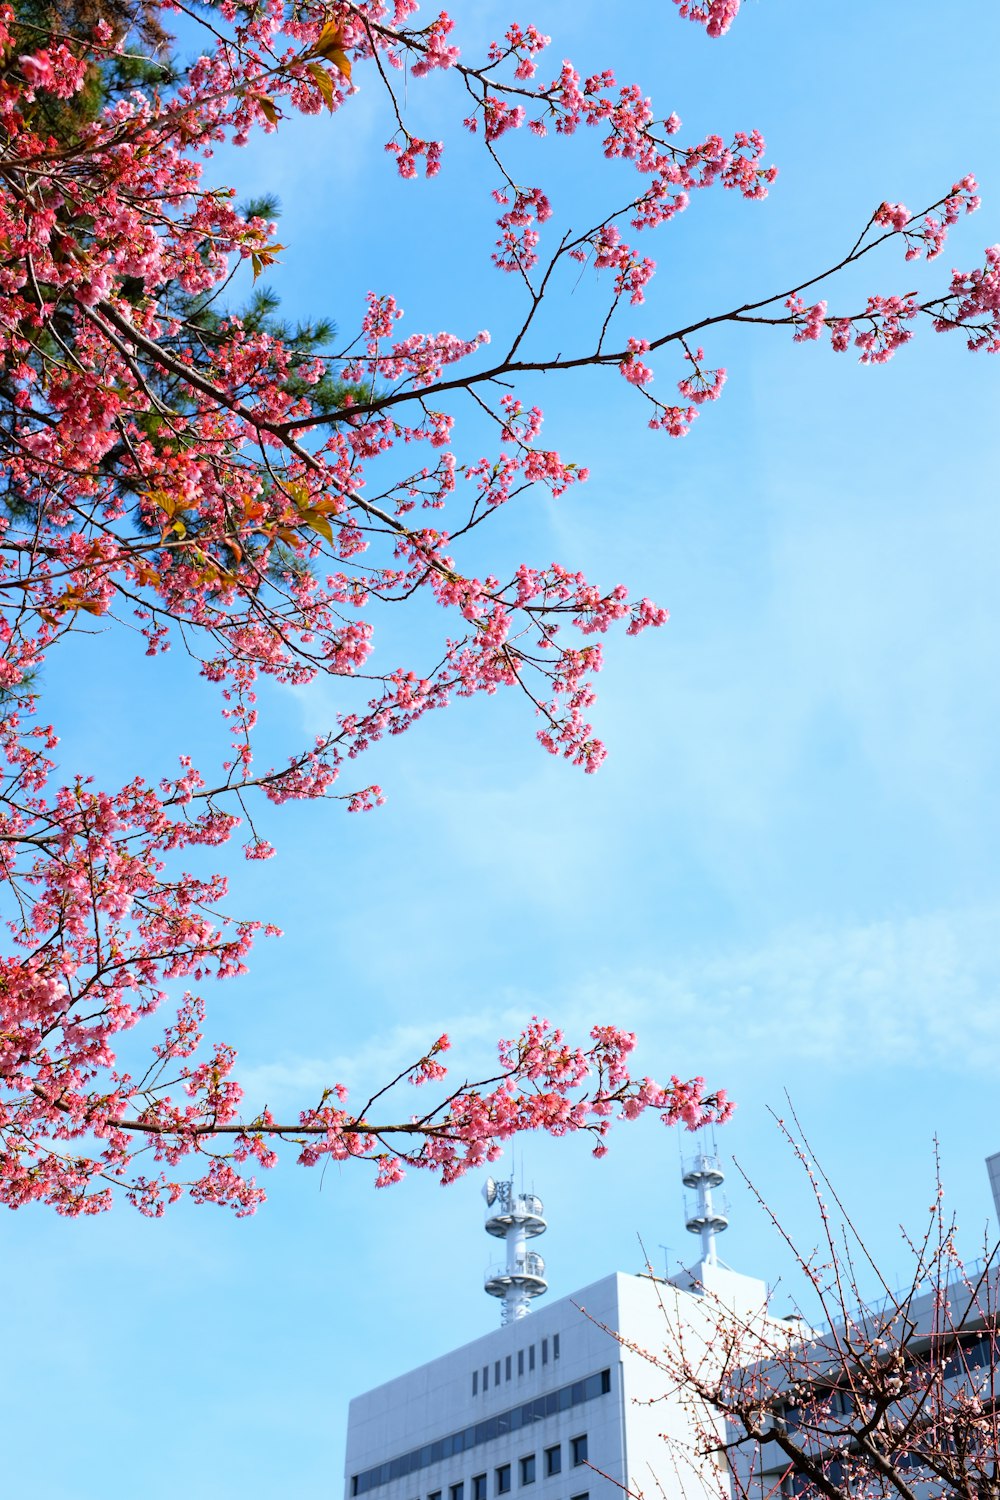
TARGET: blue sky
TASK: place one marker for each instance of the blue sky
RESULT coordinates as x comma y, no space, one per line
785,876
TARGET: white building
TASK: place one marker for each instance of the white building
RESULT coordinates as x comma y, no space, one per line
556,1404
932,1413
898,1398
560,1404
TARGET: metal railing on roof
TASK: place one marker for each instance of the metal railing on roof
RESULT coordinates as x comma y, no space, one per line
881,1308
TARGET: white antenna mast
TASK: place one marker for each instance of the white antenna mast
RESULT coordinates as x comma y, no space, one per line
515,1218
704,1174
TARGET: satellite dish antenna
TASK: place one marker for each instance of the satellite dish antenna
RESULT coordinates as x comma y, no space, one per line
490,1191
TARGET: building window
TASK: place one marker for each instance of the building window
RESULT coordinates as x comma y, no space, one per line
496,1373
545,1351
584,1496
520,1361
486,1377
553,1461
528,1469
506,1368
531,1356
524,1415
457,1491
555,1346
502,1486
479,1487
434,1495
475,1382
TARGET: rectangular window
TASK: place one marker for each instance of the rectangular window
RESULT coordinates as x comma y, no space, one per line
496,1373
502,1486
584,1496
491,1427
528,1469
506,1368
520,1361
434,1495
531,1356
553,1461
457,1491
475,1382
545,1351
555,1346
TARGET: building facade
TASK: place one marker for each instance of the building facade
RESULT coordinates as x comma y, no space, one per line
585,1399
900,1400
560,1404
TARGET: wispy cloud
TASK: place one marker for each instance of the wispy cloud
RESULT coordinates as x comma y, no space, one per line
910,992
900,993
295,1081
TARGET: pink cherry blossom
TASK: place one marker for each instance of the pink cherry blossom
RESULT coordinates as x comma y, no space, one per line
196,485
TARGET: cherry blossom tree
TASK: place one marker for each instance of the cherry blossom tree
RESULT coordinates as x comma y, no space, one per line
209,476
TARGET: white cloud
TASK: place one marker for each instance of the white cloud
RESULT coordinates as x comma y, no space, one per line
908,992
893,994
295,1081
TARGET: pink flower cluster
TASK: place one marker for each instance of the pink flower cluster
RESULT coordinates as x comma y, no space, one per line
973,304
702,385
632,368
880,330
927,238
522,43
715,15
409,151
809,321
893,215
517,245
610,252
438,52
53,70
675,421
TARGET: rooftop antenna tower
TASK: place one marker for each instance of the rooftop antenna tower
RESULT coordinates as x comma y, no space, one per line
703,1173
516,1218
